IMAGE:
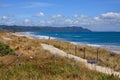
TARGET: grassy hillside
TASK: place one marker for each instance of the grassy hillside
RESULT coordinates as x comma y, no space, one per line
32,62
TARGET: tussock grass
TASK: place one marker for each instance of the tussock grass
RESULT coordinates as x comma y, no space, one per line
104,58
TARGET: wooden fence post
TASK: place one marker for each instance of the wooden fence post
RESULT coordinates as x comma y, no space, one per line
68,47
49,38
75,49
97,54
84,53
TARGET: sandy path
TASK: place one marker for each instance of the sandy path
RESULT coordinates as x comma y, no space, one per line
95,67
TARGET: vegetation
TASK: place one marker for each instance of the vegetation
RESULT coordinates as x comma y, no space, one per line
32,62
45,29
46,67
6,50
104,56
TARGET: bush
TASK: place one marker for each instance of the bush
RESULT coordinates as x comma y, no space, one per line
6,50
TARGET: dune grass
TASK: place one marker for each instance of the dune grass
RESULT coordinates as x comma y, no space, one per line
47,67
32,62
104,58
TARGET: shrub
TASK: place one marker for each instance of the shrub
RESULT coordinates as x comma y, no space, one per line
6,50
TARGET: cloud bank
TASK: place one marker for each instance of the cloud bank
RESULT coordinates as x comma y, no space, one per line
103,22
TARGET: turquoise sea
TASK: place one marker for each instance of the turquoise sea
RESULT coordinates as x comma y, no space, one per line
109,40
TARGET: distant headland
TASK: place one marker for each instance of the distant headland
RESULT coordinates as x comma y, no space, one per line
44,28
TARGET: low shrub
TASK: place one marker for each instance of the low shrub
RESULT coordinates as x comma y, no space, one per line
6,50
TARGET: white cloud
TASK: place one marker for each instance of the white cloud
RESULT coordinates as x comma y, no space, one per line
106,21
50,22
96,18
68,21
41,14
110,19
10,23
76,22
111,15
45,23
94,23
5,17
75,15
57,16
83,16
27,21
79,16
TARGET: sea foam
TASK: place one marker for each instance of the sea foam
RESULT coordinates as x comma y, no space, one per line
31,34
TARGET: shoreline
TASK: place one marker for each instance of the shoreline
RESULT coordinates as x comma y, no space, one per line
31,36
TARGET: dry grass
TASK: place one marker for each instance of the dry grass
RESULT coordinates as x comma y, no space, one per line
22,44
38,64
104,58
47,67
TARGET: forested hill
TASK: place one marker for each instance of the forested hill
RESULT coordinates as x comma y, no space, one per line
44,29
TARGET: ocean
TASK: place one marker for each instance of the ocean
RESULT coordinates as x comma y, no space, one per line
108,40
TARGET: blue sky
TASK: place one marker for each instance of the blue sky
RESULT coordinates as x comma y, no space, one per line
97,15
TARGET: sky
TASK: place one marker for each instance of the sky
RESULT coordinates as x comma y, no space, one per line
96,15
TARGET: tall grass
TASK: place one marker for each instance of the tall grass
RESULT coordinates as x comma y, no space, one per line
46,67
103,57
32,62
